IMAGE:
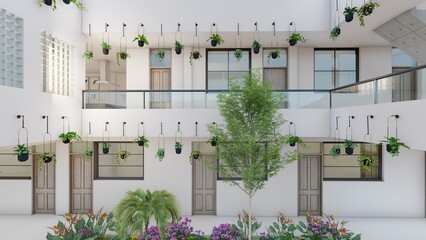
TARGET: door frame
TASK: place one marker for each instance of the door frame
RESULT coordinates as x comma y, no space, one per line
321,181
192,187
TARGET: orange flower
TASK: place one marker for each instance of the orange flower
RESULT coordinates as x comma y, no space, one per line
287,221
331,217
105,215
342,230
333,225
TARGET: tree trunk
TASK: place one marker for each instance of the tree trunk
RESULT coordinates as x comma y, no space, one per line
249,216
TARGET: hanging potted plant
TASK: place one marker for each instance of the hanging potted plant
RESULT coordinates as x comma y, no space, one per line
45,158
296,38
178,47
142,40
178,147
123,55
195,155
142,141
51,3
365,162
393,144
69,136
122,156
105,47
238,54
22,152
349,13
213,141
88,55
335,150
88,153
293,139
160,54
215,39
160,154
66,1
273,54
366,10
194,55
105,147
256,46
335,33
349,147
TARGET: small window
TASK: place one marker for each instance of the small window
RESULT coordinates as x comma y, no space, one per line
348,167
155,62
11,168
106,166
275,70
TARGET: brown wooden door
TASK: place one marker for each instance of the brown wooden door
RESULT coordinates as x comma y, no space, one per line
161,80
310,186
81,184
44,188
203,187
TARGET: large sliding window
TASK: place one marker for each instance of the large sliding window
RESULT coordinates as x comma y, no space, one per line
335,68
222,66
275,70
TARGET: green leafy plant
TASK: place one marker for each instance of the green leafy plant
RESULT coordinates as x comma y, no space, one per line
393,144
335,33
88,153
296,38
350,10
349,144
141,38
142,141
366,162
215,38
160,154
178,145
178,45
123,55
318,228
160,54
122,156
88,55
293,139
256,44
45,158
273,54
195,154
106,145
194,55
335,150
283,228
105,45
137,208
213,141
78,4
366,10
238,54
21,149
84,226
69,136
41,2
246,224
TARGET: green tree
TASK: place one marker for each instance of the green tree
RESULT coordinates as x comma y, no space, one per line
136,209
250,142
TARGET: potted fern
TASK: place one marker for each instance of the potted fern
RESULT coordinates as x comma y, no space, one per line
213,141
142,141
296,38
142,40
45,158
273,54
194,55
293,139
160,54
215,39
256,46
178,47
335,33
178,148
122,156
160,154
238,54
88,55
69,136
366,162
335,150
105,47
349,13
195,155
366,10
22,152
349,147
123,55
88,153
393,144
105,147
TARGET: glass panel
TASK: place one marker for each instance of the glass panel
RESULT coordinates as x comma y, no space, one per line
324,60
217,60
242,65
165,63
324,80
401,59
362,94
345,78
217,80
278,62
239,76
346,60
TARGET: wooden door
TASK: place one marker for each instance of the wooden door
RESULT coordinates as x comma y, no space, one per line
203,187
310,183
81,184
44,188
161,80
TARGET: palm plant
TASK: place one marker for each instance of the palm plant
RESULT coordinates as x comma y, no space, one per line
136,209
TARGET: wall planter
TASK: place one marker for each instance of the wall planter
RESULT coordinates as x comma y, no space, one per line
349,13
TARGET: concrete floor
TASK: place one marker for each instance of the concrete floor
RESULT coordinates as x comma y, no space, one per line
35,227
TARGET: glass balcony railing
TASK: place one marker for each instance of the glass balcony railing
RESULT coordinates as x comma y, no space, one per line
403,86
190,99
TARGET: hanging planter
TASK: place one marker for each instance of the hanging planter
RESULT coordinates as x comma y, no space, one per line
178,147
194,56
215,39
366,10
349,147
238,54
366,162
296,38
122,54
178,140
293,139
273,54
122,156
213,141
349,13
142,141
106,47
256,47
67,137
141,38
195,53
335,33
88,152
51,3
335,150
161,145
105,140
22,152
178,47
393,144
88,55
66,1
195,155
160,54
105,147
160,154
46,158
